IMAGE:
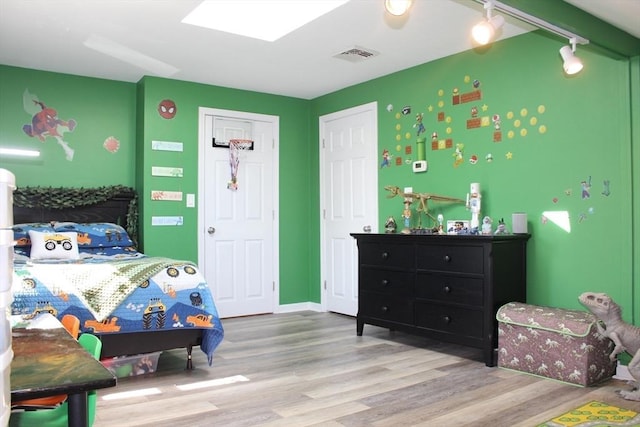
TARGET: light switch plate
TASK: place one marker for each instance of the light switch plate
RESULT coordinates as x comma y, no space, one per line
191,200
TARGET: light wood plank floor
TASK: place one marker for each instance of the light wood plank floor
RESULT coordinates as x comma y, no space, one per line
310,369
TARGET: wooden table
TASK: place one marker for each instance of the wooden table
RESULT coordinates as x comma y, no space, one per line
49,362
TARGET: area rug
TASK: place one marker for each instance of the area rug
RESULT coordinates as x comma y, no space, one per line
595,414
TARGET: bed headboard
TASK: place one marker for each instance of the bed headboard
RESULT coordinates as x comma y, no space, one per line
116,204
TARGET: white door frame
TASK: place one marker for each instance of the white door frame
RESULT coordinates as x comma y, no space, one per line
374,226
202,232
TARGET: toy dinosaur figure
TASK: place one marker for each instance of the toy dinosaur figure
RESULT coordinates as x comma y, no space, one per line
626,337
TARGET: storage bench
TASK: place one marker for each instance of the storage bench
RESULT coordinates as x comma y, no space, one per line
554,343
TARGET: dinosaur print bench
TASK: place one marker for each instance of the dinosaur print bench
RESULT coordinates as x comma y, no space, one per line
554,343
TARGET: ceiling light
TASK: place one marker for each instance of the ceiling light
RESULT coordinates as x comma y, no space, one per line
18,152
571,63
259,19
485,31
397,7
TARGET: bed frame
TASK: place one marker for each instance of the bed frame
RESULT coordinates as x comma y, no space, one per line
114,210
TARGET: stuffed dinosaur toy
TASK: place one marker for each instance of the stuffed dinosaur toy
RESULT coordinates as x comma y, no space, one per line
626,337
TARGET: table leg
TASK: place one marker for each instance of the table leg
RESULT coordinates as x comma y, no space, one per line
77,410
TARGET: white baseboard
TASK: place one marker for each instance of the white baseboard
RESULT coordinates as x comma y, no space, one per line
301,306
622,373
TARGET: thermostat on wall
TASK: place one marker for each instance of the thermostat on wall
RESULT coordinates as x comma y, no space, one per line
420,166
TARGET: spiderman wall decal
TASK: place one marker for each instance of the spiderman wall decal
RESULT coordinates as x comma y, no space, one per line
46,123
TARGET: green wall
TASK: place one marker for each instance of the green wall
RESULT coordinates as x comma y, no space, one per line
100,108
591,133
294,148
570,130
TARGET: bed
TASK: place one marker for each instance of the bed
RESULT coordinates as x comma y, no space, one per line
76,253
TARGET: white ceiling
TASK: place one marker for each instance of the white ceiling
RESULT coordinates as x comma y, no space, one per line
148,38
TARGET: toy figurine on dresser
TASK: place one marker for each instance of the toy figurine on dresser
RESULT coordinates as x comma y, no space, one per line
473,204
406,215
390,225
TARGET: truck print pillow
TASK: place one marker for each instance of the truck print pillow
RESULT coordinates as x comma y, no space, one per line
53,245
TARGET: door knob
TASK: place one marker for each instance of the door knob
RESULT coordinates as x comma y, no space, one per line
211,230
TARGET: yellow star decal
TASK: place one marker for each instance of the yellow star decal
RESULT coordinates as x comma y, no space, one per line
485,107
430,108
509,155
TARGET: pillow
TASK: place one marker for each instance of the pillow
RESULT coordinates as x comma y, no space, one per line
97,234
21,232
53,245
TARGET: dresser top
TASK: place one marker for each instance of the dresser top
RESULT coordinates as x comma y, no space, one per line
440,238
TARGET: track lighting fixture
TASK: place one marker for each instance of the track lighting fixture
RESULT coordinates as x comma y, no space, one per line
571,63
397,7
485,31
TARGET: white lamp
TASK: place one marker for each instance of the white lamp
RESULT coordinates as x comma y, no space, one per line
571,63
485,31
397,7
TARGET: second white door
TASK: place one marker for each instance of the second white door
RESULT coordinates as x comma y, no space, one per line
349,199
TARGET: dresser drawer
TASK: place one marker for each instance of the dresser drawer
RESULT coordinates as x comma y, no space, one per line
450,289
386,307
453,320
460,259
387,255
386,281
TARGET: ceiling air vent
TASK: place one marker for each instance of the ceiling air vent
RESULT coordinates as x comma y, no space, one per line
357,54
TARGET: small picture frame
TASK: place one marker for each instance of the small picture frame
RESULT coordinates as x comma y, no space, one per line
458,226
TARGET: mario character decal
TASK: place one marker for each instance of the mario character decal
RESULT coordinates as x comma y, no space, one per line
46,123
385,158
167,109
419,125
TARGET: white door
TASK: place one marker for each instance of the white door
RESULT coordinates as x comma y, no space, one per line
238,229
349,199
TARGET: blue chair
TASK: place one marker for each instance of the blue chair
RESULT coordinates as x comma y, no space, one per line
57,417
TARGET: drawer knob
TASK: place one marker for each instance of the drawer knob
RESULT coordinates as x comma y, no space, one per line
447,258
385,282
447,319
385,255
447,290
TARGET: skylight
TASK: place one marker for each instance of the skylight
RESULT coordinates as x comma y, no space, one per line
260,19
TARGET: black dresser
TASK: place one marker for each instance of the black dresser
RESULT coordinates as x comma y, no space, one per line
445,287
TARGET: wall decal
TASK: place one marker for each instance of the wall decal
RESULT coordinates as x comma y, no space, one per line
46,123
419,125
585,188
166,171
167,109
166,146
111,144
174,196
167,220
385,158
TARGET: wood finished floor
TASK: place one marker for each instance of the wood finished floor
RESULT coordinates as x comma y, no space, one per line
310,369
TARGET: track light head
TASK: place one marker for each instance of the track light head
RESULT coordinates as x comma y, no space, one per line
571,63
485,31
397,7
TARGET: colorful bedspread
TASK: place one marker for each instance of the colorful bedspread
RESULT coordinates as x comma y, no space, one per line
116,294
